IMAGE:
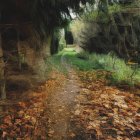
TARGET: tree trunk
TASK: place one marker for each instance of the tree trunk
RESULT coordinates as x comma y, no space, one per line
2,75
47,46
19,53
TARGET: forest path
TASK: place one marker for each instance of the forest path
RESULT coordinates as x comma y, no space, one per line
81,106
61,105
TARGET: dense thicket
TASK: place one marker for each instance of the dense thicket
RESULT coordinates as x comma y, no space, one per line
117,29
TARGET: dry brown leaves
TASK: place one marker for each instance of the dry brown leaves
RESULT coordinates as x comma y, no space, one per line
27,119
109,113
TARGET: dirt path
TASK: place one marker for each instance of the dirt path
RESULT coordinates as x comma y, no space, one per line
87,108
60,106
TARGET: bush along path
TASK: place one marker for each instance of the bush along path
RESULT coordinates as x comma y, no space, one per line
86,108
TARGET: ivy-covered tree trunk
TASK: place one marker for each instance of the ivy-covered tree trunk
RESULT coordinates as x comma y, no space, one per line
49,45
2,75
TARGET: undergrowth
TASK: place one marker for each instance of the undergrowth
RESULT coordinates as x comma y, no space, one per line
54,64
121,72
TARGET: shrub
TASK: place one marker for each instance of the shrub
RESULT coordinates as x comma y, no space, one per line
83,55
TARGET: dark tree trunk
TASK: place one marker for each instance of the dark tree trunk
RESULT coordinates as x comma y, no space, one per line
2,75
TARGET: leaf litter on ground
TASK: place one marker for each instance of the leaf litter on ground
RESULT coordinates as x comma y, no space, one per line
107,111
26,118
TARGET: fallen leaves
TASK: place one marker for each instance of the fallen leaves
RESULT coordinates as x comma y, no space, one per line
103,112
110,112
27,118
50,133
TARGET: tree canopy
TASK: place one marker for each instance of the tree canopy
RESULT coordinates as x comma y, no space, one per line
44,14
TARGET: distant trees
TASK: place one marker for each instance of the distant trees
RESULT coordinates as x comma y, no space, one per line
69,37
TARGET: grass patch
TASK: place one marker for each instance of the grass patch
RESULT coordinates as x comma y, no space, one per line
83,55
121,73
54,63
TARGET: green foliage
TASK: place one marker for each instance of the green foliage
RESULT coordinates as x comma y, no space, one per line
83,55
54,63
114,8
103,32
45,15
49,14
76,28
62,44
100,14
90,16
121,73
